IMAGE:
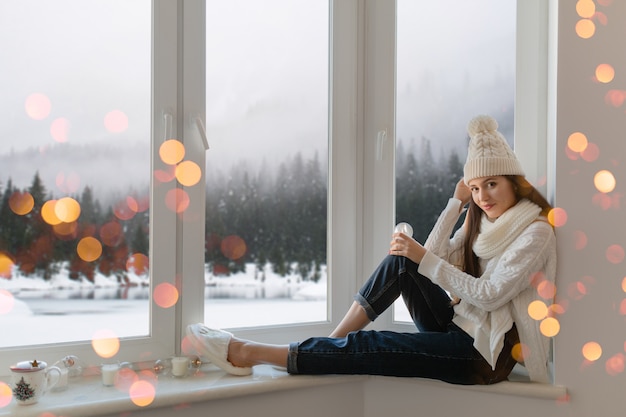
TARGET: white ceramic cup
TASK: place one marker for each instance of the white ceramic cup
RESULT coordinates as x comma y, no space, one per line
180,366
109,373
31,380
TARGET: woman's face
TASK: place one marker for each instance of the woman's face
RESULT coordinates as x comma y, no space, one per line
494,195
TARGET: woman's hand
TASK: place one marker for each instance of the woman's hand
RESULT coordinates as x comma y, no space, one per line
402,245
462,192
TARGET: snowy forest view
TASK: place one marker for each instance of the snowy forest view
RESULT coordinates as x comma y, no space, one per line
276,219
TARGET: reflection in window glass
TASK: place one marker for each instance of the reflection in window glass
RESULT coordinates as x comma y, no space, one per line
267,123
75,169
455,60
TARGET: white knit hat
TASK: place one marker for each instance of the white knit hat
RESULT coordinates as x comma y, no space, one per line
488,153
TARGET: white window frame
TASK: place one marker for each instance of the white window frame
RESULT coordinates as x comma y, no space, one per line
361,207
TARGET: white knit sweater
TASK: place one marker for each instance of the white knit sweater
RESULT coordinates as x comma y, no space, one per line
500,297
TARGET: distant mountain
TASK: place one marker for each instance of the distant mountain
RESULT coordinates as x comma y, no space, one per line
66,169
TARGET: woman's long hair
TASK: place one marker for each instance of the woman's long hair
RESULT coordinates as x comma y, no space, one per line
523,189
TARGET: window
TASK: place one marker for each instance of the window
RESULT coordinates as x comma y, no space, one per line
267,118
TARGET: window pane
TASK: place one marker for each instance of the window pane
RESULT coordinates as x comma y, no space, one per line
74,186
455,60
267,123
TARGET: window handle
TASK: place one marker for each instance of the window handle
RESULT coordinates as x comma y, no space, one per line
380,144
202,131
168,119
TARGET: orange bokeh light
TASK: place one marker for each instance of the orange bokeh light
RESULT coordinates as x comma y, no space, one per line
165,295
105,343
604,181
547,290
38,106
557,217
592,351
6,394
48,212
537,310
177,200
111,233
605,73
519,352
59,128
172,151
550,327
21,203
585,8
65,229
138,263
142,393
67,209
624,284
116,121
577,142
233,247
6,265
615,254
615,364
89,249
591,152
188,173
622,307
615,98
585,28
580,240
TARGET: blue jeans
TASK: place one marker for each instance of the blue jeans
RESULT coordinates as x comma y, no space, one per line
440,350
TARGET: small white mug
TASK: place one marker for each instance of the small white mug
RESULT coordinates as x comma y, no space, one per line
31,380
180,366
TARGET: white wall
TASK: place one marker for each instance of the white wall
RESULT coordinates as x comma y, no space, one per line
595,317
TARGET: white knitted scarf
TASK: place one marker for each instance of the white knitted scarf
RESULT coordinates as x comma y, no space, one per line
496,236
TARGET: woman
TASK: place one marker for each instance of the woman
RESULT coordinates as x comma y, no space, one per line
468,295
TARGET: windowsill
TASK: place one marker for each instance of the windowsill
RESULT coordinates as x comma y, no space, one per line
89,397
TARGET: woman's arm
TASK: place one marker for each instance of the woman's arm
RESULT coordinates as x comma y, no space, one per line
503,281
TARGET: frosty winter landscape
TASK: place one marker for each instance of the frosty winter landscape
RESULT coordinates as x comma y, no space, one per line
34,311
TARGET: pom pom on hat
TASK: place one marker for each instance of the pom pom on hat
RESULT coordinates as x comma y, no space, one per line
489,154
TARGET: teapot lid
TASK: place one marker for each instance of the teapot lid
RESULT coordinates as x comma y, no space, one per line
28,366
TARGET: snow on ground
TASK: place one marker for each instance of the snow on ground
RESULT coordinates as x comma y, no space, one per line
66,310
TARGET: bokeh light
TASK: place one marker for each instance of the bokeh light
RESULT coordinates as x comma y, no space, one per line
138,263
547,290
622,307
69,183
5,394
615,364
591,152
585,28
188,173
585,8
576,290
105,343
580,240
165,175
59,129
549,327
557,217
537,310
177,200
21,203
233,247
142,393
67,209
116,121
577,142
66,230
38,106
6,265
604,181
592,351
624,284
605,73
165,295
125,378
111,234
48,212
123,211
615,254
7,301
89,249
615,98
172,151
520,351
